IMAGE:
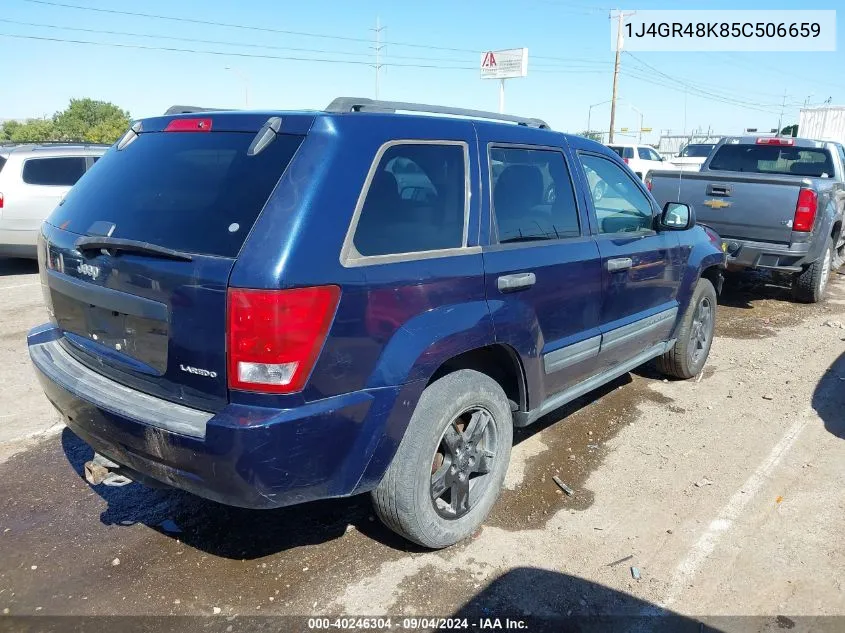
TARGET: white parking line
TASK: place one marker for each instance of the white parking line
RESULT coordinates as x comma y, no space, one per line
690,565
18,286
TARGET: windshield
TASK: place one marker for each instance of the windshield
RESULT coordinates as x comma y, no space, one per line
696,151
772,159
199,193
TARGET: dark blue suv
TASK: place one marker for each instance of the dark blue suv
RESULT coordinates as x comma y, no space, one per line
269,308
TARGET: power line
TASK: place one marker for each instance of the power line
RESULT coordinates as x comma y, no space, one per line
253,55
231,53
267,29
701,91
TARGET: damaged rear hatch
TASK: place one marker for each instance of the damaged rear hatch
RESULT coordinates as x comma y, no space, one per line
135,261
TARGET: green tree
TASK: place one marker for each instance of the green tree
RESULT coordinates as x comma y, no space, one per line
32,131
91,121
790,130
593,136
83,120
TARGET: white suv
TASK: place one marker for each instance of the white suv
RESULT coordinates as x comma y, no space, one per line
640,158
33,180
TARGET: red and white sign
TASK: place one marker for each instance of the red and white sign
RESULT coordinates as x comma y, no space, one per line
506,64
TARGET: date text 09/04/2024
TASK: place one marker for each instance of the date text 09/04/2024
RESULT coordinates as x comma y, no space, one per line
416,623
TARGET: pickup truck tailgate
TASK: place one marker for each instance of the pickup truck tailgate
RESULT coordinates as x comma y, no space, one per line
750,207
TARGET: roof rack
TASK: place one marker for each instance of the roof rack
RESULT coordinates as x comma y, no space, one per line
353,104
180,109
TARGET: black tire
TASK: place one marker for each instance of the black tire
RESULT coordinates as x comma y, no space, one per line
695,335
404,498
809,286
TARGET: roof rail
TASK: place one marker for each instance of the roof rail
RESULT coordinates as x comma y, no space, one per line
180,109
353,104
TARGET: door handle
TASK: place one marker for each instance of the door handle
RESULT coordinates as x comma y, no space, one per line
714,189
512,283
620,263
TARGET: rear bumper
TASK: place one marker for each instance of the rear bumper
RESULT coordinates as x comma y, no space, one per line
15,243
790,258
245,456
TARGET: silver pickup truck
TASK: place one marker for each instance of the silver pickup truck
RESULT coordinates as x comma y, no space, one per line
776,202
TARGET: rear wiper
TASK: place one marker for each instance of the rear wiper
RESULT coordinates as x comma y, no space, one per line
117,244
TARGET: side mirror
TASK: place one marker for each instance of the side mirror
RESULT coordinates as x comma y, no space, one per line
677,216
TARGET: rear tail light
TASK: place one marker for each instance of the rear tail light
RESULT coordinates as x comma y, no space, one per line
775,141
648,182
189,125
626,160
1,200
275,336
805,210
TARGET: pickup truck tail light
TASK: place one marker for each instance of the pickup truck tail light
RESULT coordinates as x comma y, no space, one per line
1,200
805,210
648,182
626,160
275,336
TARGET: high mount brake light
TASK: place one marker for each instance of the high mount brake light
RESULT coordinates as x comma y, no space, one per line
189,125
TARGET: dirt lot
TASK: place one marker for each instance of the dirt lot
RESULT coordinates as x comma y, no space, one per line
727,494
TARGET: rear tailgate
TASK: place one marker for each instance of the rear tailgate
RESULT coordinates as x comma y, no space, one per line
754,207
153,316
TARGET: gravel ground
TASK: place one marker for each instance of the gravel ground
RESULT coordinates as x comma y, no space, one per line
726,493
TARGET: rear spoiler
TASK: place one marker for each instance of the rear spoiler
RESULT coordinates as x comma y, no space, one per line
181,109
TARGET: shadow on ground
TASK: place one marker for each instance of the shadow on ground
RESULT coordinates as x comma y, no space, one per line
743,289
12,266
239,533
545,600
227,531
829,398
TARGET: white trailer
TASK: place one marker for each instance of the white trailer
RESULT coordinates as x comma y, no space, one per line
825,124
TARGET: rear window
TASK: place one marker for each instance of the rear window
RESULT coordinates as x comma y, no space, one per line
696,151
61,172
623,152
192,192
771,159
2,162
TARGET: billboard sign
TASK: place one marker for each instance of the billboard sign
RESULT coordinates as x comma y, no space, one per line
505,64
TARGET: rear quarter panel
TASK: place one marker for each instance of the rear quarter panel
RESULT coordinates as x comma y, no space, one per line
396,322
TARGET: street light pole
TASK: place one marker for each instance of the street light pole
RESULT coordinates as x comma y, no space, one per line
590,113
640,133
244,79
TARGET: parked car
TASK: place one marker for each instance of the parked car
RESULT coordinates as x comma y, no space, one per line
264,309
691,157
777,203
33,180
640,158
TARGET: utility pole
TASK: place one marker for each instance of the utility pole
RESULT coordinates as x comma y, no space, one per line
379,28
619,40
780,118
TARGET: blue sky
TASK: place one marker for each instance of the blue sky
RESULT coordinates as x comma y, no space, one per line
570,61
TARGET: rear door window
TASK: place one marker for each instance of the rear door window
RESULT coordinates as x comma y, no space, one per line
2,162
533,197
61,172
773,159
192,192
416,201
623,152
